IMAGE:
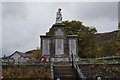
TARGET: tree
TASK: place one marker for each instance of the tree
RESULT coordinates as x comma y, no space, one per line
86,37
35,54
118,43
108,48
119,25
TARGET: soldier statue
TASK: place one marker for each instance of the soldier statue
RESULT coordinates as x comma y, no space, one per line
59,16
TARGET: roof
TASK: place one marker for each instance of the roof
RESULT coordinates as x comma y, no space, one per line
20,53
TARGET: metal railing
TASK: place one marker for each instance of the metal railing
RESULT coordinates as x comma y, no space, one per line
80,61
99,61
52,76
75,65
27,63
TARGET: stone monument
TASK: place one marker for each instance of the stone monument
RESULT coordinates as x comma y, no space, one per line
58,46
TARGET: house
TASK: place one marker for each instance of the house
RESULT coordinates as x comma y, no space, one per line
17,56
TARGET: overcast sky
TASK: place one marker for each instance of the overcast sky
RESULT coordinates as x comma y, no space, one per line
24,22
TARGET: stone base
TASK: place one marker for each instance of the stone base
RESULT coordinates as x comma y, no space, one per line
58,25
63,59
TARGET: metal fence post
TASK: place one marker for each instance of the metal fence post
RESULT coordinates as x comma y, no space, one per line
72,58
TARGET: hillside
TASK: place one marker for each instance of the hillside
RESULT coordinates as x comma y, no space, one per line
107,36
111,37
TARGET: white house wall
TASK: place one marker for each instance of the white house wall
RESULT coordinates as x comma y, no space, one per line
16,56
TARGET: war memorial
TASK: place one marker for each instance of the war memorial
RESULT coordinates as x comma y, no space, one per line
59,46
61,60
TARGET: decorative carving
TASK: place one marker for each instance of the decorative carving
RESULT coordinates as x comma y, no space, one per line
59,32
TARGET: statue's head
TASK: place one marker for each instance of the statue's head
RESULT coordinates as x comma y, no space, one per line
59,9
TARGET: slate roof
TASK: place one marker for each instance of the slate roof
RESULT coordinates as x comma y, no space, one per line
22,55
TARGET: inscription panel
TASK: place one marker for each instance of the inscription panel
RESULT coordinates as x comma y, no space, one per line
59,32
72,46
45,46
59,46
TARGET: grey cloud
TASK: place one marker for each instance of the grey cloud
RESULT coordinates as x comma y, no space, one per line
90,10
14,22
0,29
14,10
119,11
98,10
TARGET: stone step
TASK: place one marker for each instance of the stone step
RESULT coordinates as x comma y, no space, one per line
65,73
63,66
66,77
63,69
